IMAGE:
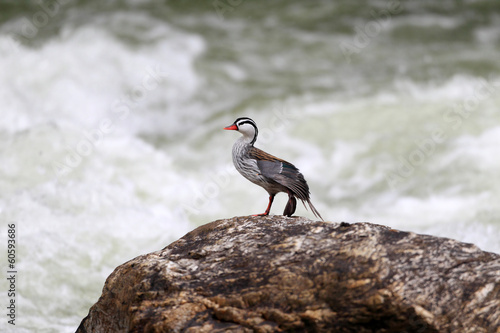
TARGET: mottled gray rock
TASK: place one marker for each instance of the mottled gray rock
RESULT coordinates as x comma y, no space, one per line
276,274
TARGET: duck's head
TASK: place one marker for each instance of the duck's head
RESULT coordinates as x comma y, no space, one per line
247,127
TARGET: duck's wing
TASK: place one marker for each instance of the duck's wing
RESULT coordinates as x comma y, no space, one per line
281,171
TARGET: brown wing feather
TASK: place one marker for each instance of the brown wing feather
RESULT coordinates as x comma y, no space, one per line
282,172
286,174
259,154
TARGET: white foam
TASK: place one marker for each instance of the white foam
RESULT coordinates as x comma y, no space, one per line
80,78
480,150
117,196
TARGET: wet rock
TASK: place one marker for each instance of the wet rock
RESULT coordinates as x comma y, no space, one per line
277,274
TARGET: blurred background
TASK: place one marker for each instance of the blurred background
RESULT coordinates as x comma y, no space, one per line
111,140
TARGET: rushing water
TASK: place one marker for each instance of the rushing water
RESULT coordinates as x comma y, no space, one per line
112,114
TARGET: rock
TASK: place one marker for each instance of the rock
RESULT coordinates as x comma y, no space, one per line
276,274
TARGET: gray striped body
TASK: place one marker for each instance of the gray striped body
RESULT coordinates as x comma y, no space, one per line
248,167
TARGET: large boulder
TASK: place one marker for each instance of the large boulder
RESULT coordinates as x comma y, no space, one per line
276,274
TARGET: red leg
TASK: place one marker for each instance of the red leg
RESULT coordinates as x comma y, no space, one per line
271,199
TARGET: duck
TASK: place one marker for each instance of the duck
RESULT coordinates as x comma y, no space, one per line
273,174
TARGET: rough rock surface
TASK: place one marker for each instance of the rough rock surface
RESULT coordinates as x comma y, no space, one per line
277,274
